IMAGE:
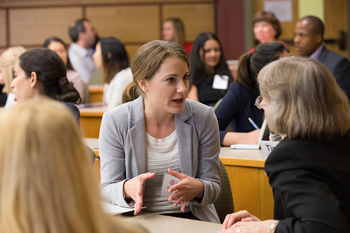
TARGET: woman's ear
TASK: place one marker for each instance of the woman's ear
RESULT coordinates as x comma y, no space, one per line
109,55
33,79
143,84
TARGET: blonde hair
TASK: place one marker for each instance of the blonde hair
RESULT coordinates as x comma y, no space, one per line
46,180
179,29
8,61
147,61
304,99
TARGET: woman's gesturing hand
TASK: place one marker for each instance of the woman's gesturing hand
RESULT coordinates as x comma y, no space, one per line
187,189
133,189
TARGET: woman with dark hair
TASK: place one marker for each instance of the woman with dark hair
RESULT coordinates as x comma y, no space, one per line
238,104
266,28
210,75
57,45
111,57
42,72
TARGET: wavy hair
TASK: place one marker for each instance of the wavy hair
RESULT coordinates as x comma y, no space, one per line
304,99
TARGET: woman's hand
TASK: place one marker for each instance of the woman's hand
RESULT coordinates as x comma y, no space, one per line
242,215
133,189
250,227
251,137
187,189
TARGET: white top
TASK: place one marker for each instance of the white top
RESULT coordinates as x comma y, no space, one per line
161,155
10,102
112,92
82,61
78,83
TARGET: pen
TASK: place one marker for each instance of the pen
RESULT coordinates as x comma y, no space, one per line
253,123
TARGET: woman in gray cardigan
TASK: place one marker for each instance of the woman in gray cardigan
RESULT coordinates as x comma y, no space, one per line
159,132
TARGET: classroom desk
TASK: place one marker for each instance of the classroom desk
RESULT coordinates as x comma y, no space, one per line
90,120
155,223
96,93
249,184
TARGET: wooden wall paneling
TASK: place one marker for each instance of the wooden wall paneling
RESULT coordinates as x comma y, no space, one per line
131,50
335,20
130,24
33,25
3,30
196,17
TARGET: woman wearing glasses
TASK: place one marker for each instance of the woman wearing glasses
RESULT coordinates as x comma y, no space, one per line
308,169
238,104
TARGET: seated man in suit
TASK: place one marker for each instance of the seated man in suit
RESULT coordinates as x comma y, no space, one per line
308,38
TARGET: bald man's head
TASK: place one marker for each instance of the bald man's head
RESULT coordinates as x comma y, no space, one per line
316,23
308,35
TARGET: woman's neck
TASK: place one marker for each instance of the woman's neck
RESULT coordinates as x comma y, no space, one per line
158,123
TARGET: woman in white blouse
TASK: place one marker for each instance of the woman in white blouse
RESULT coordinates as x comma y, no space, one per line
111,57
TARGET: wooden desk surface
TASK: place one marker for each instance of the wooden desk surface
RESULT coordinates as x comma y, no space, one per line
155,223
90,120
94,111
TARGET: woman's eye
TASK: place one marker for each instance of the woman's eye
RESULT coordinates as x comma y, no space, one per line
186,77
170,80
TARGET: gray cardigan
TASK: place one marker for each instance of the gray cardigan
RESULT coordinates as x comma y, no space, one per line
122,149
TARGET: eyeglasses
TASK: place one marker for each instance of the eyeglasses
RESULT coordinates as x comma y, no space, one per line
258,102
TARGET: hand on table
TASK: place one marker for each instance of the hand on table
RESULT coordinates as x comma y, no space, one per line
187,189
249,227
253,137
133,189
242,215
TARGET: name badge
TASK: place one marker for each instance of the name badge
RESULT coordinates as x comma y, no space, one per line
168,182
220,82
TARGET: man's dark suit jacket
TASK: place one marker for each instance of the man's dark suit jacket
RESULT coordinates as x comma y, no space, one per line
311,184
339,67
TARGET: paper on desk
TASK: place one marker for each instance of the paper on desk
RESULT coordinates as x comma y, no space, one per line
245,147
114,209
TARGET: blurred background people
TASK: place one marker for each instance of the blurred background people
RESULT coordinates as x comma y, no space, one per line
174,31
57,45
209,75
46,183
83,36
111,57
239,103
266,28
8,60
308,41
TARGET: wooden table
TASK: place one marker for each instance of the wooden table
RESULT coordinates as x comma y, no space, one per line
155,223
90,120
249,184
96,93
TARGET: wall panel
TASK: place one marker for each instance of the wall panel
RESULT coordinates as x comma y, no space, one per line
131,24
196,17
3,32
33,26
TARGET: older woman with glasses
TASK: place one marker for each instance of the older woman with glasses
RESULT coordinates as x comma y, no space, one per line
238,104
308,169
